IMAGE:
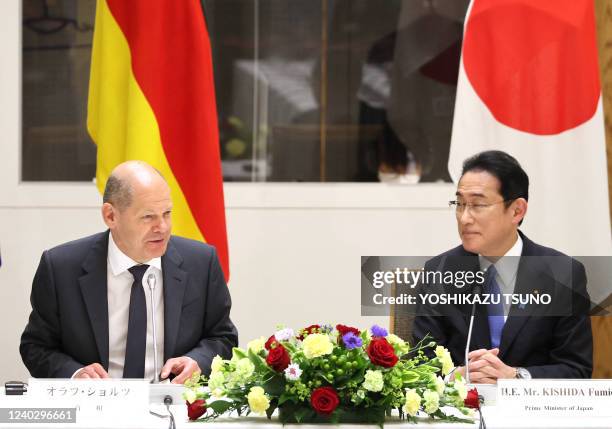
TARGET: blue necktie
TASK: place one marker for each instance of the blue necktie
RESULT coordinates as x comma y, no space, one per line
495,311
136,345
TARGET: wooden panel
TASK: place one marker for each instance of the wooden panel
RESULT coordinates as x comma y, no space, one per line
602,346
603,12
602,326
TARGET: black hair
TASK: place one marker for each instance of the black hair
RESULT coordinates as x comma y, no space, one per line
514,182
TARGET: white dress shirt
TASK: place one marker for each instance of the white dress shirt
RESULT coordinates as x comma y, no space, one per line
507,269
119,281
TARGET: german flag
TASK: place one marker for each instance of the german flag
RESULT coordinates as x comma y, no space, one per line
152,98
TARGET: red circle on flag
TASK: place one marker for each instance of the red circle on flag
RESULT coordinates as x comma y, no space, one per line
534,64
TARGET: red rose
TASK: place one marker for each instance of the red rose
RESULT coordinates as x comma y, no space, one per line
343,330
278,358
472,400
381,353
308,330
271,341
324,400
196,409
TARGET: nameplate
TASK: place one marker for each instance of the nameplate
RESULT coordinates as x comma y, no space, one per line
94,402
555,398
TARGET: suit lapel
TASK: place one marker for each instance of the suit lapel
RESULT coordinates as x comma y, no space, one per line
93,286
175,282
531,277
467,261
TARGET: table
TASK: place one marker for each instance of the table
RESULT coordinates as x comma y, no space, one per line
492,418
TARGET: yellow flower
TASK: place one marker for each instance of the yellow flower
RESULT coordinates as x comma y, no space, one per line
431,400
258,400
217,393
217,364
189,395
244,369
216,380
445,359
399,344
413,402
461,388
256,345
440,385
373,381
316,345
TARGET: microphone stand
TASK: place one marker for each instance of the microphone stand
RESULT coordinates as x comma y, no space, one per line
151,281
476,291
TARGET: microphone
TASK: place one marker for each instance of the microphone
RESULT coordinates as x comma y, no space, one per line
476,291
151,281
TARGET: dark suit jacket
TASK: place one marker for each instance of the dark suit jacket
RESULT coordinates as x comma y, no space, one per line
68,326
551,341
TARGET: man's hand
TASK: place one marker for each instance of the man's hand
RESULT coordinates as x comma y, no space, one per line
473,356
95,370
183,367
486,367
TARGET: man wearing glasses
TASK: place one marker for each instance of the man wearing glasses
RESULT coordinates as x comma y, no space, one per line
509,340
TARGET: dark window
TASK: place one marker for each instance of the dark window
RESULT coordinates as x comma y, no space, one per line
328,90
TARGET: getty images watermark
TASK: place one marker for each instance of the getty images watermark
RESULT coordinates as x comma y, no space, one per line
424,285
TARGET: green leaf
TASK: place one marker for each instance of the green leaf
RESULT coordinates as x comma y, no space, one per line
425,369
275,386
285,397
301,413
450,418
239,353
271,409
410,376
260,364
291,348
358,377
219,406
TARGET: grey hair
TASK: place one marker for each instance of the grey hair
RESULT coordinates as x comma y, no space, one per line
117,192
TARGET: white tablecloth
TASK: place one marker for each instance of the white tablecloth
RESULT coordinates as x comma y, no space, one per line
492,417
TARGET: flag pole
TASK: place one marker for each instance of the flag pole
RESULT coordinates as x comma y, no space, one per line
323,94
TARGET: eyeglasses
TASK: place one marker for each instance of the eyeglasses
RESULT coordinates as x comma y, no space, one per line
474,208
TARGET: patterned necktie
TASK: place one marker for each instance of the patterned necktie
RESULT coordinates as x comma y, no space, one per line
495,311
135,348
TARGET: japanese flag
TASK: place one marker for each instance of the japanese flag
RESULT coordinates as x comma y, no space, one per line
529,85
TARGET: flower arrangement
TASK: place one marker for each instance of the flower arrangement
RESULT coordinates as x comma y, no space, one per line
327,374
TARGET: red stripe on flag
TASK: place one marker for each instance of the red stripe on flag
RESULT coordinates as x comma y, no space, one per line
534,64
172,62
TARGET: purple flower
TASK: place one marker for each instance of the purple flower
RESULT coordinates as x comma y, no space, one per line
351,341
326,328
377,331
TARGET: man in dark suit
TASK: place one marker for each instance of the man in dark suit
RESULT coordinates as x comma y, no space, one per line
93,298
509,340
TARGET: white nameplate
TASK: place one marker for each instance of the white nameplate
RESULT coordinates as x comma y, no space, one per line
555,398
96,401
487,392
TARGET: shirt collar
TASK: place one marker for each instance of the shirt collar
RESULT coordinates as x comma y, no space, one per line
120,262
507,265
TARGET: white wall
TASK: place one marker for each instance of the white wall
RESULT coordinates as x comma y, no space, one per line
294,248
289,265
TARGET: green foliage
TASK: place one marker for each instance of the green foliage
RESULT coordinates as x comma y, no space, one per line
246,383
220,406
